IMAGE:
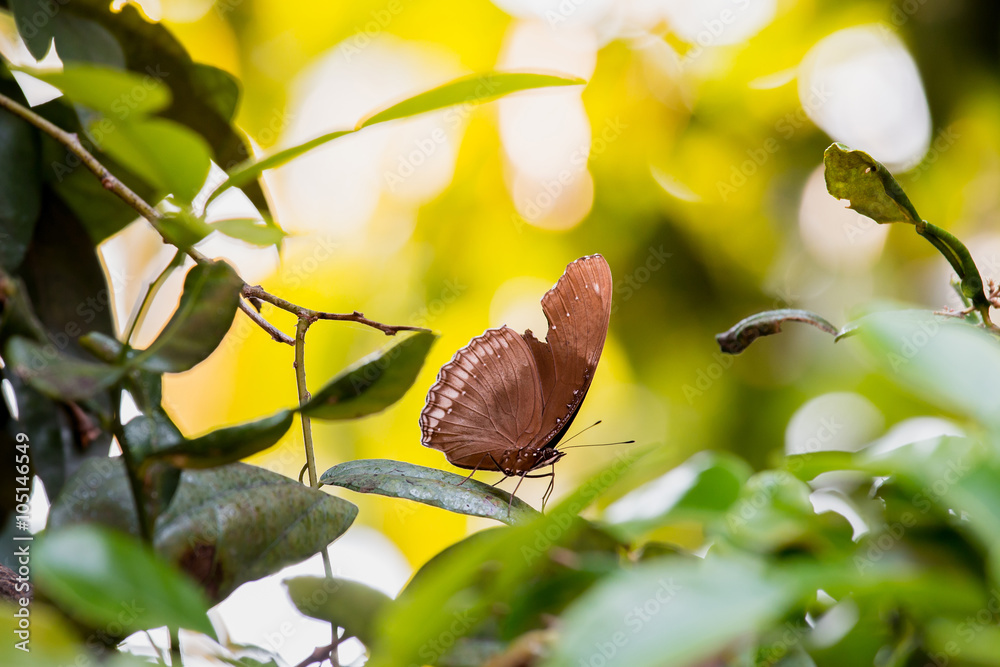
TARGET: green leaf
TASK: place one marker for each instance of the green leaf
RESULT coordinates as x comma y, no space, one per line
198,97
468,90
147,435
946,362
746,331
344,603
166,154
207,307
226,445
225,526
20,188
184,229
702,488
430,486
56,375
871,189
676,612
251,231
82,40
111,91
373,383
105,578
34,24
472,89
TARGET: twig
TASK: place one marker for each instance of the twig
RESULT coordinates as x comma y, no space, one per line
319,654
300,382
73,144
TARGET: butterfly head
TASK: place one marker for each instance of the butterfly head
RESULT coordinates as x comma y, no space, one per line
524,460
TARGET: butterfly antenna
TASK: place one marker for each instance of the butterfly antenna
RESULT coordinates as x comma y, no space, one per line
582,432
602,444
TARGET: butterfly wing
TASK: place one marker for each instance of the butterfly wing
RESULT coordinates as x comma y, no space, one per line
486,400
578,310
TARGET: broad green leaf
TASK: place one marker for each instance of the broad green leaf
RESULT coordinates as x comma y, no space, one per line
673,612
56,375
373,383
944,361
472,89
701,488
871,189
34,24
430,486
114,92
207,307
82,40
746,331
347,604
468,90
226,445
103,577
225,526
20,187
169,156
251,231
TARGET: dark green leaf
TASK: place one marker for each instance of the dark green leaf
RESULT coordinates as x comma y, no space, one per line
673,612
469,90
166,154
218,89
251,231
226,525
82,40
227,445
20,187
66,308
33,19
430,486
208,304
347,604
871,189
111,91
747,330
146,436
56,375
373,383
105,578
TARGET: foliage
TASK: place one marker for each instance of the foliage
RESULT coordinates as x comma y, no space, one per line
903,571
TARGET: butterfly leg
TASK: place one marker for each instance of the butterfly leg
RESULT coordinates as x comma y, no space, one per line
552,486
511,501
474,470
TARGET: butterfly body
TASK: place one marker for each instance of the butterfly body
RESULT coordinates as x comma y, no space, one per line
505,400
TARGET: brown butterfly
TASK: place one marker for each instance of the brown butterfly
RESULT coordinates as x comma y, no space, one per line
505,400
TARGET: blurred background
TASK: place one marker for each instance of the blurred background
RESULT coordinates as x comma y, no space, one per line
692,160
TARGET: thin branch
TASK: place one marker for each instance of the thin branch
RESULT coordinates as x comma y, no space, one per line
300,382
275,333
258,292
319,654
73,144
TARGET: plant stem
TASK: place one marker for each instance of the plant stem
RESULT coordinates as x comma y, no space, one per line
145,529
300,382
175,648
73,144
